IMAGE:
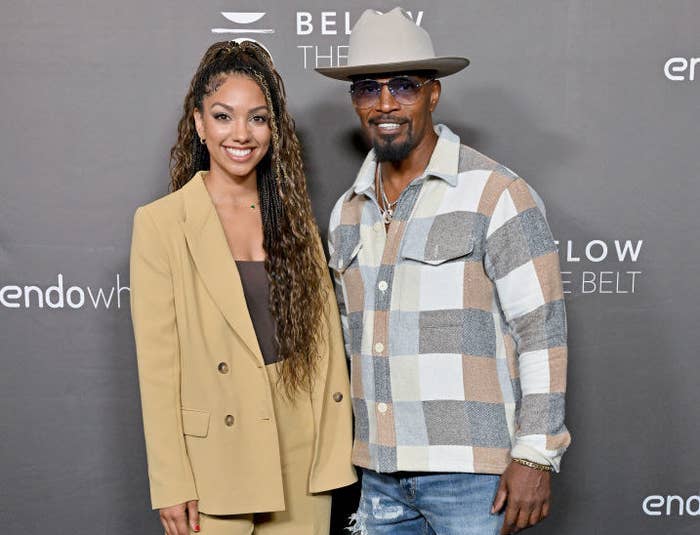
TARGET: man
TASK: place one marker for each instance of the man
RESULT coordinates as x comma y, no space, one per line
450,294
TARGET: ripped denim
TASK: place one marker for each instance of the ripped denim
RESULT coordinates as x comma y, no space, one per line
412,503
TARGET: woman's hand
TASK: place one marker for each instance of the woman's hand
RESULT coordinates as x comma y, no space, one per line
176,517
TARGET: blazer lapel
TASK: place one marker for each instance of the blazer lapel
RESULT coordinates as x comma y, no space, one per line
212,257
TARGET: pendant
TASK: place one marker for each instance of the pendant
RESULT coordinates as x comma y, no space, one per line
387,216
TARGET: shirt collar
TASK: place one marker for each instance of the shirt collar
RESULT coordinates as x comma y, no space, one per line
443,164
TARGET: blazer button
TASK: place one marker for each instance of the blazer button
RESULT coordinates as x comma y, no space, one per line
229,420
223,367
337,397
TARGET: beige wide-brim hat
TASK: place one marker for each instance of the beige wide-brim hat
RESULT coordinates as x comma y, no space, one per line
391,42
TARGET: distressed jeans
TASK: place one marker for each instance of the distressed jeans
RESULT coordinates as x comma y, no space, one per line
423,503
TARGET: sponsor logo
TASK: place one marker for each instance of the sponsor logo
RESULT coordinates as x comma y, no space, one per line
329,24
327,28
62,295
583,276
244,19
681,69
334,22
671,505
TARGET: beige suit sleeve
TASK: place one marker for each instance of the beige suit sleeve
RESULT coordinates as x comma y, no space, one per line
158,355
334,450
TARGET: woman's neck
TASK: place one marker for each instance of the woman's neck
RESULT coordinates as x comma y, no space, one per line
225,189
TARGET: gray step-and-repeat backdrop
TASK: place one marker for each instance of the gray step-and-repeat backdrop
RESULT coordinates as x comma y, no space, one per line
595,103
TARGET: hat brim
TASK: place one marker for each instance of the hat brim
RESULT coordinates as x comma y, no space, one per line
443,66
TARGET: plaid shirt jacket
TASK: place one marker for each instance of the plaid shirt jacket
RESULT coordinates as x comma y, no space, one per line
454,319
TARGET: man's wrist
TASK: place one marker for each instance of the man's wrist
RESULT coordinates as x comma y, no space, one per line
532,464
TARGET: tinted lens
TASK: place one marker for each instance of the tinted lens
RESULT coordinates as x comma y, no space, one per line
365,93
404,90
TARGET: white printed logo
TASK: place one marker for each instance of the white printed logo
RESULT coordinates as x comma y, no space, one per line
243,19
671,505
319,27
676,69
324,29
61,295
582,275
328,24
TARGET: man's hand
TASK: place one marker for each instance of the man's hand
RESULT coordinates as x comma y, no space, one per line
525,492
176,517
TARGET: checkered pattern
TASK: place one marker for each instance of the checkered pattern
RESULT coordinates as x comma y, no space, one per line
454,319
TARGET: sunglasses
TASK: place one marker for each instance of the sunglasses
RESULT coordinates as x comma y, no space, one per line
366,93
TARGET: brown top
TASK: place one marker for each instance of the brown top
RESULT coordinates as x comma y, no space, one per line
257,291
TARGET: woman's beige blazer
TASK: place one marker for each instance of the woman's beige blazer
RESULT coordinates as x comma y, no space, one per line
208,416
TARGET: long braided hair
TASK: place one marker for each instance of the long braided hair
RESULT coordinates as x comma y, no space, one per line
290,235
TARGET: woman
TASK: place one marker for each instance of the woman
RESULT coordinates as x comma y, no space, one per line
242,370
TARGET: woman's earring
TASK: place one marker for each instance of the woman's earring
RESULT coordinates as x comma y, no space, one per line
202,141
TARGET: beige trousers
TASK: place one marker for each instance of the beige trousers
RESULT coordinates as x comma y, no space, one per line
306,514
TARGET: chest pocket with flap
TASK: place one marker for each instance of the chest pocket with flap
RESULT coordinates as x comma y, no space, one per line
438,253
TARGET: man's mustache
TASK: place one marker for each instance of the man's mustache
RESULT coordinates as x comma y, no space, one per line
389,119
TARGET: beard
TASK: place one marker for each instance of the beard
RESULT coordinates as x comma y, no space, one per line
388,150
